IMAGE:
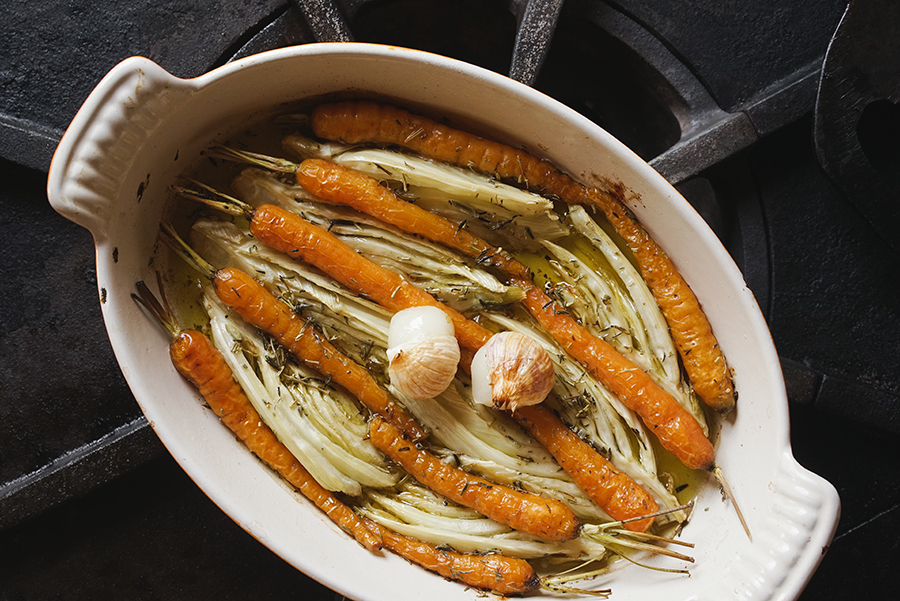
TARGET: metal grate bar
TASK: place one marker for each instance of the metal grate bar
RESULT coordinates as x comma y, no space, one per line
537,23
325,20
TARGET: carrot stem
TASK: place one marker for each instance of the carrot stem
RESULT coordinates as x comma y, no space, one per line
720,478
211,197
171,238
149,301
654,568
254,158
612,541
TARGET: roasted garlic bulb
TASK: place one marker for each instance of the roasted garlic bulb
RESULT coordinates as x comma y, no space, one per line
512,370
423,352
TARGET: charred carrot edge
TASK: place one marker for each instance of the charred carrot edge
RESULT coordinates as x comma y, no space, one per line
259,307
300,239
195,357
522,511
499,573
676,428
619,495
358,122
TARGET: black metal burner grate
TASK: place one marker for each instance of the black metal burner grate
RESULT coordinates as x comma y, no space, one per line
717,96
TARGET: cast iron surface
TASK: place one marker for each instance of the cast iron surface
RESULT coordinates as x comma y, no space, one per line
858,113
718,96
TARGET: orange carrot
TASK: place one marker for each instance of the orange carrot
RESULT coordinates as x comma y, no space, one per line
526,512
337,184
499,573
359,122
258,307
195,357
620,496
293,235
199,361
697,345
677,430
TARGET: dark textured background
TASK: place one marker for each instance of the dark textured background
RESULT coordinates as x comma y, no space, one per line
91,506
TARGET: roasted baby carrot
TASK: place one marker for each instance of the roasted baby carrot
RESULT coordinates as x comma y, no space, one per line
337,184
365,122
620,496
300,239
498,573
522,511
259,307
697,345
195,357
357,122
677,430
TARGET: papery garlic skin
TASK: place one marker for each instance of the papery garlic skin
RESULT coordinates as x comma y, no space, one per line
512,370
423,352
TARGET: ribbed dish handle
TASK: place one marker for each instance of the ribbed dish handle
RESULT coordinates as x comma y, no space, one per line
86,174
789,541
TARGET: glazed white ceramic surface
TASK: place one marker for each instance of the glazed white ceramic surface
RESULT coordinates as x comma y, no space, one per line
141,127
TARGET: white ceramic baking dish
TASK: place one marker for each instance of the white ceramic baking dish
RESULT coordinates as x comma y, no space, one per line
141,127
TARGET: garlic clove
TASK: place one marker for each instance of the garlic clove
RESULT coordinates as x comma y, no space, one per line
418,323
512,370
423,370
481,379
423,352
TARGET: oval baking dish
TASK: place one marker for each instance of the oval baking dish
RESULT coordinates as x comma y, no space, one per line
141,127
